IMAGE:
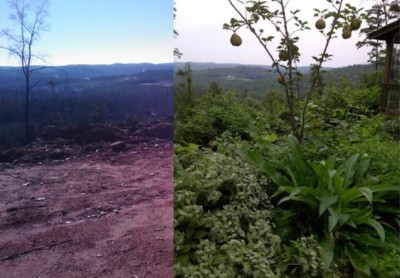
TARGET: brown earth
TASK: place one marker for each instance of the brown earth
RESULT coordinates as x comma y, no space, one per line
104,209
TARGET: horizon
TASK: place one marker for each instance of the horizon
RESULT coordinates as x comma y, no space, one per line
263,65
111,64
175,62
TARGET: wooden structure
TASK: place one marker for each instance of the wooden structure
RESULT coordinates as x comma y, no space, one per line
390,95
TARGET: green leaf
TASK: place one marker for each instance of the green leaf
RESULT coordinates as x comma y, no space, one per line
363,167
271,137
367,193
371,258
333,219
282,189
377,226
326,201
355,259
349,169
350,195
258,161
292,195
246,267
182,260
388,188
343,218
200,234
367,239
327,255
297,156
219,259
284,199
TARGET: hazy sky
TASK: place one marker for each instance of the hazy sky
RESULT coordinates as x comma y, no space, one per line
103,32
202,39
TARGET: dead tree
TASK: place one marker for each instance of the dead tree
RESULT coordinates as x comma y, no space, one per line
29,21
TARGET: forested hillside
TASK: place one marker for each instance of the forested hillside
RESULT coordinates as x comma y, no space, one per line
84,94
255,78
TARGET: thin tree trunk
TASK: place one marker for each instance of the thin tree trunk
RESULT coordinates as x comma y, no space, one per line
27,100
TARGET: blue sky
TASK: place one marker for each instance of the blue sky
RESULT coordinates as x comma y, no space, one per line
103,32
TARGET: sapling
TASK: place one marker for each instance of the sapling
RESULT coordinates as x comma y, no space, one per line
272,21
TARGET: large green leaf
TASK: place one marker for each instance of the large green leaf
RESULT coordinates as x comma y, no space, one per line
327,247
344,218
299,163
326,201
348,168
302,194
325,174
363,167
288,171
385,188
349,195
333,219
338,184
282,189
367,193
330,162
258,161
377,226
292,194
391,243
356,260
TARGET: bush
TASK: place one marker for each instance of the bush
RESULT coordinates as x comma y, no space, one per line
222,220
212,116
349,213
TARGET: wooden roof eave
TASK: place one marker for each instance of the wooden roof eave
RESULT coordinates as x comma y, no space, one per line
387,32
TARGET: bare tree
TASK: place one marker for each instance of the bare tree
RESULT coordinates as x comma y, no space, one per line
29,21
177,53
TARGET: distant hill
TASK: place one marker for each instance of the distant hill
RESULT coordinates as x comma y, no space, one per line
210,65
72,78
81,71
257,79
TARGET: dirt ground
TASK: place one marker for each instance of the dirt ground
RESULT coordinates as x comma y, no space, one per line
89,212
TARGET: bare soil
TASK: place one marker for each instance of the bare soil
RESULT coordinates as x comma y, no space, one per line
103,209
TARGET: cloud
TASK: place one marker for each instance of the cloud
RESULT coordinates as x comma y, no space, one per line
201,38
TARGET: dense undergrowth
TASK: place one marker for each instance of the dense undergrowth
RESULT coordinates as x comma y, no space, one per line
250,201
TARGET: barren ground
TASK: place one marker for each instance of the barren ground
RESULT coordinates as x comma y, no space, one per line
92,213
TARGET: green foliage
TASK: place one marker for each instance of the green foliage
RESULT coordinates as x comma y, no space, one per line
185,155
344,100
335,208
350,124
184,94
388,265
333,202
213,114
301,258
222,220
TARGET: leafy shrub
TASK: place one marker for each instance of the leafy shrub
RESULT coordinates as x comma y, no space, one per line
345,100
222,220
212,116
335,203
388,265
301,258
367,134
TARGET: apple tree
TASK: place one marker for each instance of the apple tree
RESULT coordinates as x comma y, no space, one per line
274,21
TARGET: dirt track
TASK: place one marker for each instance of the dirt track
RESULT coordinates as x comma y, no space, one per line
102,214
